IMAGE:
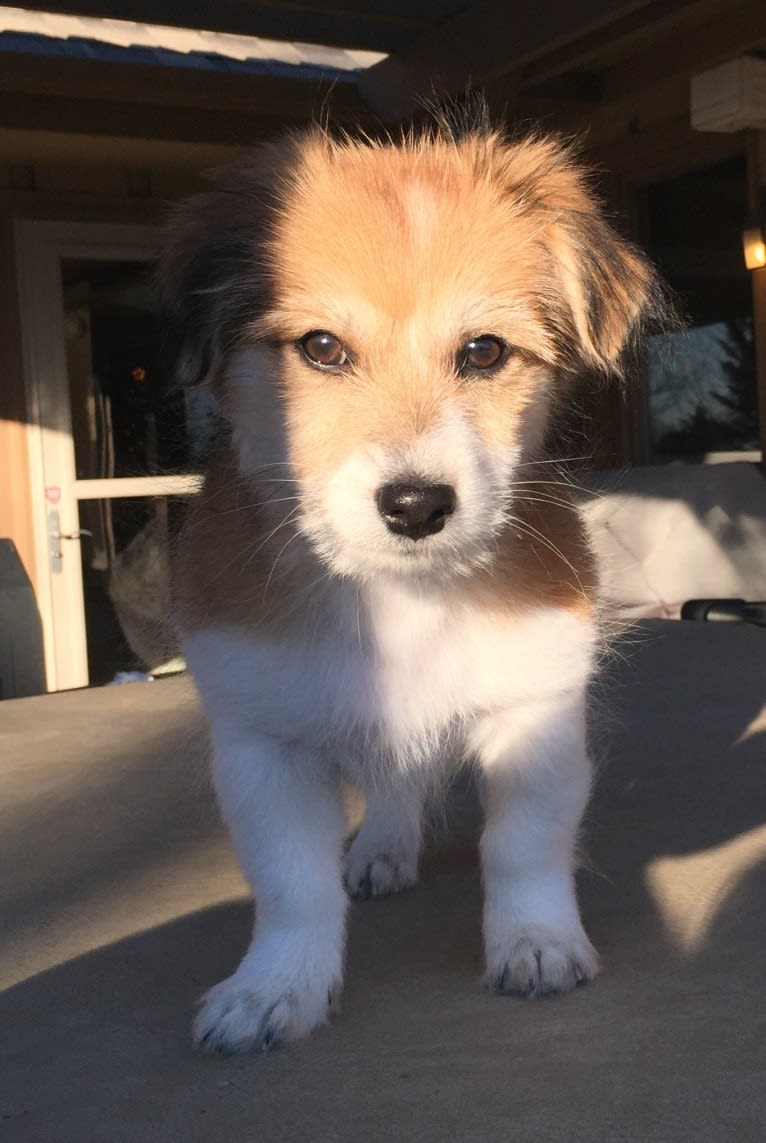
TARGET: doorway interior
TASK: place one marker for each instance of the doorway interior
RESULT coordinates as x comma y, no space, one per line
115,449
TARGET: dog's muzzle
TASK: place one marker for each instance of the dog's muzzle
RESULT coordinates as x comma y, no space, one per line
415,509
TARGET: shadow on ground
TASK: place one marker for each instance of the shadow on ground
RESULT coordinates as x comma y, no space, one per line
668,1046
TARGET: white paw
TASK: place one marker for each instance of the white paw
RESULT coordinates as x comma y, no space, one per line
537,960
258,1010
376,871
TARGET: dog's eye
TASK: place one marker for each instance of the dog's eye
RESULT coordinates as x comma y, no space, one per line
482,353
323,349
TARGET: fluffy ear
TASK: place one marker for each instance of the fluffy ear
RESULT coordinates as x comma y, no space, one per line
609,287
212,275
606,288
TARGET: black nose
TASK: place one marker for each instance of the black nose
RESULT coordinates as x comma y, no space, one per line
415,510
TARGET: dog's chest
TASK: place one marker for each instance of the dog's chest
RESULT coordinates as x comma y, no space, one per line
397,668
434,662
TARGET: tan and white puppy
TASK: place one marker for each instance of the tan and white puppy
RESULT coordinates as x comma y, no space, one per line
376,576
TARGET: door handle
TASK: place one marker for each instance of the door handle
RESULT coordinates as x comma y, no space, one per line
74,535
55,536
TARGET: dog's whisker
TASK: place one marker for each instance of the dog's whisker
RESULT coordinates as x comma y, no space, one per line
282,524
541,498
532,532
568,484
276,561
554,460
253,506
358,618
250,557
280,500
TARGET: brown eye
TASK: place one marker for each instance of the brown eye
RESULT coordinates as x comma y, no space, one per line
323,349
482,353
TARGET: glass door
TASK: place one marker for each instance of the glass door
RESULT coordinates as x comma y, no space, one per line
115,450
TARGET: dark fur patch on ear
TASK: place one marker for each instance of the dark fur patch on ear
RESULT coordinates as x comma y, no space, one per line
212,275
204,284
465,116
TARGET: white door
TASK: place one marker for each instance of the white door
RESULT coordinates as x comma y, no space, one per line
83,290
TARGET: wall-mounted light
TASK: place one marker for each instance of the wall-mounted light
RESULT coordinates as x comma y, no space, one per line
754,243
754,236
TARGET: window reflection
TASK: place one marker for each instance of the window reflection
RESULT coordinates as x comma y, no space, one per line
700,382
702,393
127,417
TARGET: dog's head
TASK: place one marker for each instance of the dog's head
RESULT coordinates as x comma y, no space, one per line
393,323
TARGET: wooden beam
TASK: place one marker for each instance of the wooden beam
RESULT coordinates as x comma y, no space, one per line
601,124
212,91
107,117
664,151
636,32
489,39
739,29
37,145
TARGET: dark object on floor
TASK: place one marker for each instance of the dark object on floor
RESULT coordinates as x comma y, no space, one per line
22,660
725,611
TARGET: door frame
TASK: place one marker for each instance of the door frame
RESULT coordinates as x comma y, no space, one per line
40,248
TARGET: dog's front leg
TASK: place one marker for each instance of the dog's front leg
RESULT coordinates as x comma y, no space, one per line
286,821
536,785
383,858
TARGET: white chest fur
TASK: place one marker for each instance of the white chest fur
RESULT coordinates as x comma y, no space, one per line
398,666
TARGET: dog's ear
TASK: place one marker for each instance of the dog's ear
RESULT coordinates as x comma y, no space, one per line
212,275
198,273
610,288
606,288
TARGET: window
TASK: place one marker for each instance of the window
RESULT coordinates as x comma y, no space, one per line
700,381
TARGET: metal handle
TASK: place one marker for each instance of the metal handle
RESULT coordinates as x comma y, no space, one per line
55,536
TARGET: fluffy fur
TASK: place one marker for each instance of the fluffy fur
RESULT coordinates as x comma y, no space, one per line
326,645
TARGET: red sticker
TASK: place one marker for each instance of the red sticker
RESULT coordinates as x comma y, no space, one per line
53,493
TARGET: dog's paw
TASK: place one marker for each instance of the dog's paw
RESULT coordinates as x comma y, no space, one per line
375,874
253,1011
537,961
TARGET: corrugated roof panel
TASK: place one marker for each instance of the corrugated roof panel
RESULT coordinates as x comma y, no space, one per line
75,47
47,33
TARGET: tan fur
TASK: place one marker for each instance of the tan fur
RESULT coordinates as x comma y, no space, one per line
231,540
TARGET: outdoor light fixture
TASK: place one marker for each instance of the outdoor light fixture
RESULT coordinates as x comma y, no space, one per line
754,238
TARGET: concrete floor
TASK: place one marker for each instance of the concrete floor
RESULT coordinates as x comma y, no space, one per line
120,902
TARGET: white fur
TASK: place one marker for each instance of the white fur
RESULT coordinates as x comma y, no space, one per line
537,781
384,855
394,676
348,532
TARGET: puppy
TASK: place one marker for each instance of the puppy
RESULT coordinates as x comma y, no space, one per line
379,573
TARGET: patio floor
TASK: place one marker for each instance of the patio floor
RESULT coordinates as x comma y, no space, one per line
120,902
